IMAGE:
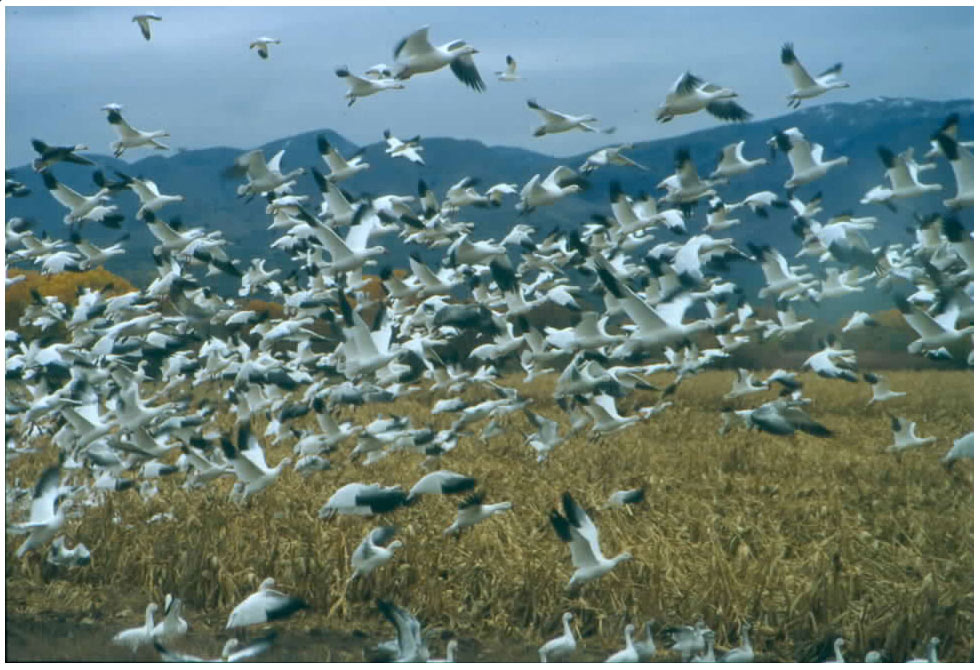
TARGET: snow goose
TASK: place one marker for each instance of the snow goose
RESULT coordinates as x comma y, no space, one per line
228,652
688,640
903,435
134,638
744,384
932,653
709,649
962,448
173,625
781,280
859,320
409,645
363,500
50,155
685,186
628,497
732,163
546,438
149,194
415,55
13,188
880,389
838,655
779,418
510,74
81,208
832,363
96,256
560,182
804,85
610,156
264,606
561,646
627,655
144,23
742,653
933,332
472,511
60,555
607,419
264,177
372,552
758,202
129,137
903,176
340,168
646,648
48,508
451,648
577,529
350,254
961,160
442,482
360,87
248,459
408,150
805,158
690,94
261,44
557,122
717,216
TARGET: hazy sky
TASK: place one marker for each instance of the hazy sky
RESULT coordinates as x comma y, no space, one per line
198,79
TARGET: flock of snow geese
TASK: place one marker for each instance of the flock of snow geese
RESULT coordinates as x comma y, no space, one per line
100,393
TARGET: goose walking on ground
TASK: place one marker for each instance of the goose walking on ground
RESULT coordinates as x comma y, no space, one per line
805,86
577,529
134,638
838,654
415,55
264,606
932,653
646,648
451,648
627,655
144,23
472,511
560,647
261,45
173,625
691,94
742,653
129,137
709,649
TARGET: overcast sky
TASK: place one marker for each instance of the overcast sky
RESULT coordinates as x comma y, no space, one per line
198,79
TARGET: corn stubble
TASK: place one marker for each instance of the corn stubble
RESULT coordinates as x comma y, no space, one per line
806,538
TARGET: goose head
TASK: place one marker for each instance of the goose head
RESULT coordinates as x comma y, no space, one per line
397,544
625,556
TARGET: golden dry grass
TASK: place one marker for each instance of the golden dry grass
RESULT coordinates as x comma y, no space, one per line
806,537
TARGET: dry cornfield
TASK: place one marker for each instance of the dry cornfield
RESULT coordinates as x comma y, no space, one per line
807,538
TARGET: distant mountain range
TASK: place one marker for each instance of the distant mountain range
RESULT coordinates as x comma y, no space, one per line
202,177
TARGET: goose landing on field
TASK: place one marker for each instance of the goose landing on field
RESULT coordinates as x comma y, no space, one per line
577,529
263,606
